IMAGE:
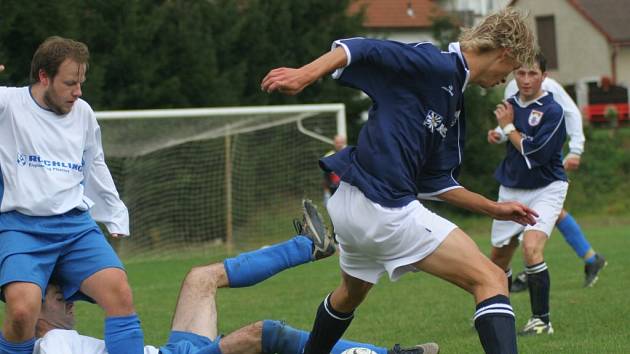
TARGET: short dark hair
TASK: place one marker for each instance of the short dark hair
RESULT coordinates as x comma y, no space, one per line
541,61
53,51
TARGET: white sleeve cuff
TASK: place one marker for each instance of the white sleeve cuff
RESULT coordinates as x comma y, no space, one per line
337,73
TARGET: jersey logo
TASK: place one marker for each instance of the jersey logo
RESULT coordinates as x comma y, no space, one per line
21,159
534,117
449,89
433,122
36,161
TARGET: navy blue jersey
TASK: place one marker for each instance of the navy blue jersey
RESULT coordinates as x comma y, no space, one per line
413,140
542,126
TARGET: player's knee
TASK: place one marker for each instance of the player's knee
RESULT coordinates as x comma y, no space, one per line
21,317
491,279
532,252
202,278
117,298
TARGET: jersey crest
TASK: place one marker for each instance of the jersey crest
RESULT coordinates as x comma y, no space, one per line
434,122
534,117
21,159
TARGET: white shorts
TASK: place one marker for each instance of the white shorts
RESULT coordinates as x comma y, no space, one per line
546,201
374,239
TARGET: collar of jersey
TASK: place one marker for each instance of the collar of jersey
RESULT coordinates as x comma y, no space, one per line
538,100
455,48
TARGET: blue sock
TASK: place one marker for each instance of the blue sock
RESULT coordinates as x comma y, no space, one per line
494,321
574,236
123,335
253,267
277,337
7,347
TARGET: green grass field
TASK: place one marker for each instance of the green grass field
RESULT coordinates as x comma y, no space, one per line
417,308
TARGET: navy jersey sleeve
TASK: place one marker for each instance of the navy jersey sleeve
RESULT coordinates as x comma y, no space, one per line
547,140
373,62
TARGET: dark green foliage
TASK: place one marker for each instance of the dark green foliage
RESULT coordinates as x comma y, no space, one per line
166,54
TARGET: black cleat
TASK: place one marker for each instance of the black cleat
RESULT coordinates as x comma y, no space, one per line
520,283
312,226
591,271
426,348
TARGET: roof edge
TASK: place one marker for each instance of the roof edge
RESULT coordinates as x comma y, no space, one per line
590,19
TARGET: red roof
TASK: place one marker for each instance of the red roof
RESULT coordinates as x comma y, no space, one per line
396,13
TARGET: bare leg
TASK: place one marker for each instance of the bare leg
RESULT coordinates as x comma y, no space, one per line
196,306
246,340
350,293
23,303
459,261
533,246
110,289
502,256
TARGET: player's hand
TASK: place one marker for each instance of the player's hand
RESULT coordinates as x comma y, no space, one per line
285,80
504,113
515,211
117,235
494,137
1,68
571,162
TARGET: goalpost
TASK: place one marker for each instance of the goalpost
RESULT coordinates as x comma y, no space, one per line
198,180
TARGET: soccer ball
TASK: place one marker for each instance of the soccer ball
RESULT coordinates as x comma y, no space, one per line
358,350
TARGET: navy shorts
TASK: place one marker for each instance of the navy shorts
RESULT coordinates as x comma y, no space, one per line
190,343
70,246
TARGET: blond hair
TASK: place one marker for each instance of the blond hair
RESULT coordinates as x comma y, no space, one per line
504,29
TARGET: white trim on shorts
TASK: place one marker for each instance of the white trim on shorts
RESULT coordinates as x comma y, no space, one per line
374,239
547,201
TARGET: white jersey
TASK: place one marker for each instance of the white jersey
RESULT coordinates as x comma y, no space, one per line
572,114
64,341
52,164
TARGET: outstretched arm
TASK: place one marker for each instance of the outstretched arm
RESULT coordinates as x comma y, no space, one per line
292,81
513,211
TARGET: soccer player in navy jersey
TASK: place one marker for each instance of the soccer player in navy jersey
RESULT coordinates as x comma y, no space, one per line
532,173
594,262
412,145
54,184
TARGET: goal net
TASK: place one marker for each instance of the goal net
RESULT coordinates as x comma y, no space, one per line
199,181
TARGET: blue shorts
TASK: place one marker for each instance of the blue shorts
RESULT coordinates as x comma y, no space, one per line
190,343
70,247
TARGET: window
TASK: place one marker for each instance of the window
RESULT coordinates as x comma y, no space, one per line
546,30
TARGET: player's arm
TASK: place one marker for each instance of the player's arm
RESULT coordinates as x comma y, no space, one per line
573,121
292,81
514,211
99,186
504,114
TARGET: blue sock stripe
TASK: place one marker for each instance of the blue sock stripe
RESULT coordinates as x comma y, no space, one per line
25,347
536,268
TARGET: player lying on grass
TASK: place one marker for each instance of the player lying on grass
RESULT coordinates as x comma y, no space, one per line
194,327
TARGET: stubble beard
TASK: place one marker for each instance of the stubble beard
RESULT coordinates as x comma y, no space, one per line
50,102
